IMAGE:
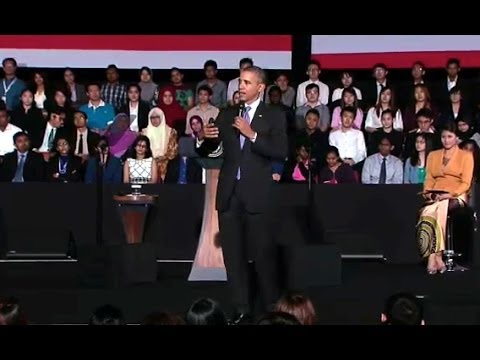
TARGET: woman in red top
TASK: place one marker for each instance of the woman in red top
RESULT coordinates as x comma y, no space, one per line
175,116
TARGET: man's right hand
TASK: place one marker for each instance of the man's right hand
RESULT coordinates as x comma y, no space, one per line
210,131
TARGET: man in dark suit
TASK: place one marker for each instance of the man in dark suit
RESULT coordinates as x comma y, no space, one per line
22,165
83,140
245,186
442,91
371,89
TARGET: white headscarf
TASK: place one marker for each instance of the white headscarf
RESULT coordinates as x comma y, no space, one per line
158,135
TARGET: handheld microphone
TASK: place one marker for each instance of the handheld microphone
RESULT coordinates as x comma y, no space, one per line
211,121
241,109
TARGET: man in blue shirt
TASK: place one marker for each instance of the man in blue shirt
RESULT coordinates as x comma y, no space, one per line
11,87
99,114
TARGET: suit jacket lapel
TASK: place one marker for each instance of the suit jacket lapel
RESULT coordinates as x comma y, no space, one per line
258,115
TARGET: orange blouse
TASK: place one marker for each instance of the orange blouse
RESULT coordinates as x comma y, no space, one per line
456,177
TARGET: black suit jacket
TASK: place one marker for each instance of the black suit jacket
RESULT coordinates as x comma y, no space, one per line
33,169
37,137
92,141
254,160
143,110
441,93
73,173
369,93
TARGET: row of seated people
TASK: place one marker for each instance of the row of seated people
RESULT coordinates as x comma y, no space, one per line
321,153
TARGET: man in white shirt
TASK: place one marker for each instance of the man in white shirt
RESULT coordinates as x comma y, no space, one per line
204,109
383,167
7,131
350,142
313,72
313,102
52,131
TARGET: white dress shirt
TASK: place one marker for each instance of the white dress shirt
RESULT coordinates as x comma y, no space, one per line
323,90
373,166
6,139
84,141
374,121
350,144
451,84
44,147
379,87
134,118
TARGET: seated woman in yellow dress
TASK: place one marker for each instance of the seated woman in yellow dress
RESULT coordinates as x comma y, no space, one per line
449,175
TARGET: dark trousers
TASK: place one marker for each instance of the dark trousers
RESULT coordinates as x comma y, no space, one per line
241,231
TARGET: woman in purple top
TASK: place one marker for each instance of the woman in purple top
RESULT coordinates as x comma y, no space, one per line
336,171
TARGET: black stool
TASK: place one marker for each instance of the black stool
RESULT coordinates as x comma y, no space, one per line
461,224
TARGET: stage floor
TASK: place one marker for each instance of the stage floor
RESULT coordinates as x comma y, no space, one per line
53,293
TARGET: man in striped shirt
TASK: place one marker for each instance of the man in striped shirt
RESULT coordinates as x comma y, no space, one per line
113,92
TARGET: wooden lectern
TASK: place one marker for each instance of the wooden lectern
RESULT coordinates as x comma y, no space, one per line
133,210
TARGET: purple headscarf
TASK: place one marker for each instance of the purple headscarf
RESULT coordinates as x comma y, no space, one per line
119,135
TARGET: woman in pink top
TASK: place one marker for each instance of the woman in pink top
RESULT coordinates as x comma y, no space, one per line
349,98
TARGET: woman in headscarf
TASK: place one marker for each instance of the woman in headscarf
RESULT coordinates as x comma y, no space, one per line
175,116
147,85
163,140
119,135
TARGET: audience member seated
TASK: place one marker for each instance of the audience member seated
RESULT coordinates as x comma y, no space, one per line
456,109
63,166
233,84
414,172
104,165
313,72
406,95
83,140
278,319
287,93
175,116
113,93
350,142
299,306
107,315
119,135
422,100
12,313
472,146
41,91
274,95
402,309
312,102
140,166
22,165
75,91
7,131
218,87
61,101
346,80
312,137
204,109
136,108
304,169
26,116
396,137
465,130
147,86
383,167
235,98
374,115
183,94
11,87
425,126
99,113
371,91
44,141
163,141
206,311
442,91
336,171
162,318
349,98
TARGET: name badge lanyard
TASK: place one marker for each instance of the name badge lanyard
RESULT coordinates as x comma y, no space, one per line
7,89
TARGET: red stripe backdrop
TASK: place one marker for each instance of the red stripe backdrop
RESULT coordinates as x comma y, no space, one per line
150,42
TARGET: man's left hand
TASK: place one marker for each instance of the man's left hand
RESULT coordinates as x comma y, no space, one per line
244,127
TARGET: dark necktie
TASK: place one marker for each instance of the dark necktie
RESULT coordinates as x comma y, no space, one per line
80,145
383,172
19,172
